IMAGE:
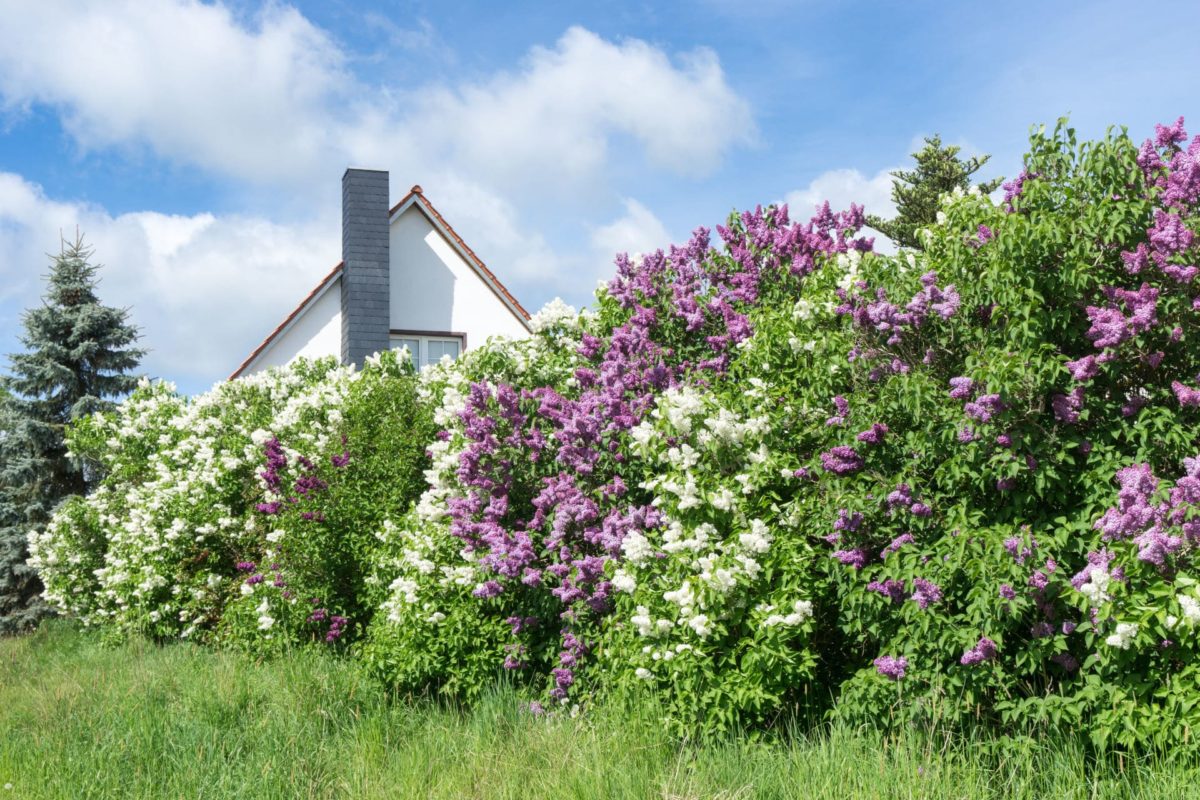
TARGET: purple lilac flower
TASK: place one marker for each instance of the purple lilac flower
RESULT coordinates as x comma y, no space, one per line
842,411
1084,369
983,407
1013,190
984,650
900,496
891,589
961,388
874,435
1187,396
1066,406
1007,592
925,593
891,667
856,558
1041,630
841,460
1066,661
847,520
896,544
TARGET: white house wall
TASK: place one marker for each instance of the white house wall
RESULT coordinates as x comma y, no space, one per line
316,331
434,289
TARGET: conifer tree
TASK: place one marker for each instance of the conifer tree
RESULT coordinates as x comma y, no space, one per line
917,192
78,355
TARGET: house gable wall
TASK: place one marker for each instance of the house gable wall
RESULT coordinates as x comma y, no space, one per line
433,288
314,332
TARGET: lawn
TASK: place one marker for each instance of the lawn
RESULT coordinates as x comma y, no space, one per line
82,719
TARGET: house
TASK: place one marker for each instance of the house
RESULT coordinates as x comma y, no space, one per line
405,279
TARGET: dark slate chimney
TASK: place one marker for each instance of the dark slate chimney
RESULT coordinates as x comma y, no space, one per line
366,314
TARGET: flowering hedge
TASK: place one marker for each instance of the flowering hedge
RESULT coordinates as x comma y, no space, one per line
787,471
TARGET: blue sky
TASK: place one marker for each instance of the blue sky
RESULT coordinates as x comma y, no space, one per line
199,146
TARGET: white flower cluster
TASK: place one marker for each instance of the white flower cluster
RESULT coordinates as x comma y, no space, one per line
553,314
1189,607
1096,589
179,454
423,569
801,610
1123,636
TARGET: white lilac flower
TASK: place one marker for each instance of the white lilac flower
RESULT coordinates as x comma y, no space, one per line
641,621
644,674
759,539
701,625
1191,608
1123,637
624,582
1095,589
683,596
553,313
722,499
636,548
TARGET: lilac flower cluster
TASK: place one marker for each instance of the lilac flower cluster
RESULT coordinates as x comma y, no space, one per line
841,460
1149,520
1110,326
884,317
984,650
1013,189
558,536
306,484
891,667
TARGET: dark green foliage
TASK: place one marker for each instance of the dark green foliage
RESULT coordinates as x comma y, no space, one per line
916,193
78,355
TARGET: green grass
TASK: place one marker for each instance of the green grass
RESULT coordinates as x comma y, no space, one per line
79,719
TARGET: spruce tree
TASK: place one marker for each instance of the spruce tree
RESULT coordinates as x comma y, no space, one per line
917,192
78,356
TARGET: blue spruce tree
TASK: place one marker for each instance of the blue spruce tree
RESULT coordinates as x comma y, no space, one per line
79,355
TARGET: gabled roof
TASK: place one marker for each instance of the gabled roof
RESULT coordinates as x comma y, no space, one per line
415,196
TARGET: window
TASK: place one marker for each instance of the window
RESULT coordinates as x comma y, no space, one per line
428,349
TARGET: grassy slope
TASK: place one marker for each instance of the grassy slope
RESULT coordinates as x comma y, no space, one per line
80,719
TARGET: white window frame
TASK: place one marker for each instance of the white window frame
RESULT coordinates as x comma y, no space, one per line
423,338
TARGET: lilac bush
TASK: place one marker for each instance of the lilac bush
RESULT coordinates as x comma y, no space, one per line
770,469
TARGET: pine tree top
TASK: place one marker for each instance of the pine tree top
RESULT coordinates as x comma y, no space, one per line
79,352
917,192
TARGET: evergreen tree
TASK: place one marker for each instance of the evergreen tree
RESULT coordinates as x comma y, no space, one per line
917,192
78,355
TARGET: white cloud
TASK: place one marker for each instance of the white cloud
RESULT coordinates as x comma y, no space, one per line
637,231
841,187
183,78
203,289
557,117
274,101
